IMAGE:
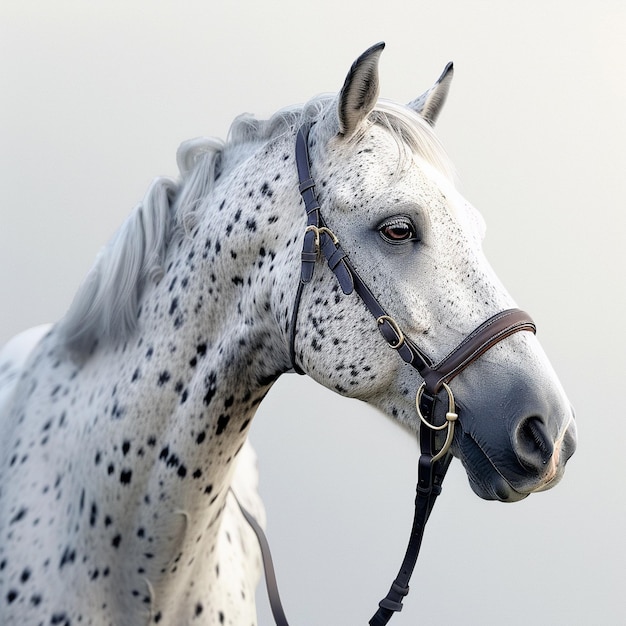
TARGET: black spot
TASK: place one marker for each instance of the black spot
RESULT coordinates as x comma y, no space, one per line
266,191
182,471
97,458
12,595
60,618
115,542
117,411
210,384
25,575
164,376
19,515
221,617
208,489
125,476
201,349
164,453
110,469
251,225
136,375
152,441
237,280
93,514
200,437
229,402
173,461
197,473
198,609
35,600
244,425
222,423
107,520
68,557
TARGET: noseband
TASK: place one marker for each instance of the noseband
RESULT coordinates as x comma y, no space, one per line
435,455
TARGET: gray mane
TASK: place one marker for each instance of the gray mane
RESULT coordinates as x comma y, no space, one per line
105,306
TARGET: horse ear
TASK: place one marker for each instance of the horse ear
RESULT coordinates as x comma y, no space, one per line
430,103
360,91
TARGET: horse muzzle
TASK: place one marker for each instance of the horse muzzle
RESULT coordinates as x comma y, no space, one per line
533,461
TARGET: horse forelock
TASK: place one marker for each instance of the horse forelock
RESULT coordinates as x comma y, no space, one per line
105,307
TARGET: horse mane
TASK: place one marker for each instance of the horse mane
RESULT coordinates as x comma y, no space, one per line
105,306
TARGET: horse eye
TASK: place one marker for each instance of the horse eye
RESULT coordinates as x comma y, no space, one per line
397,230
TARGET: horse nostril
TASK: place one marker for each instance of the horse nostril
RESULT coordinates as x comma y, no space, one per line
534,445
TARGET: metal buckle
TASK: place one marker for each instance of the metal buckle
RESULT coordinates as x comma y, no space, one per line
319,231
396,329
451,418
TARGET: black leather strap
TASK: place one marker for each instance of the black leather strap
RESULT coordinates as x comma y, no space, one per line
429,482
268,565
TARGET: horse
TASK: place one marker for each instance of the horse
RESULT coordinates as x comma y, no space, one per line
124,425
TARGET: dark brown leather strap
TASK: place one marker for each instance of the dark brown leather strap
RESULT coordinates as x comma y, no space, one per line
487,335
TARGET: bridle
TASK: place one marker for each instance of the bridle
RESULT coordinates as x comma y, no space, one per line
435,454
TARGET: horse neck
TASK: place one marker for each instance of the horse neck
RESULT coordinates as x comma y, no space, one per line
167,409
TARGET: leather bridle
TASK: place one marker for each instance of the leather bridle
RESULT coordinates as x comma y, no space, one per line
435,454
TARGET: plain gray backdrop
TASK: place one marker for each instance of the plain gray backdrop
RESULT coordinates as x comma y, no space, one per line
95,98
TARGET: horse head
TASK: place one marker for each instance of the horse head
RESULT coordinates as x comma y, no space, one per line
386,191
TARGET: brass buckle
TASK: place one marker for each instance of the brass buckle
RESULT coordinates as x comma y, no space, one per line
319,231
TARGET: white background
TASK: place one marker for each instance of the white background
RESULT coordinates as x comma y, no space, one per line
95,97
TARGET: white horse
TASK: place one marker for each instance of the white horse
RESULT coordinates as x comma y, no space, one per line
123,426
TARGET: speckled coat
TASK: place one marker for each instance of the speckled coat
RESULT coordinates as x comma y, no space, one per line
123,429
